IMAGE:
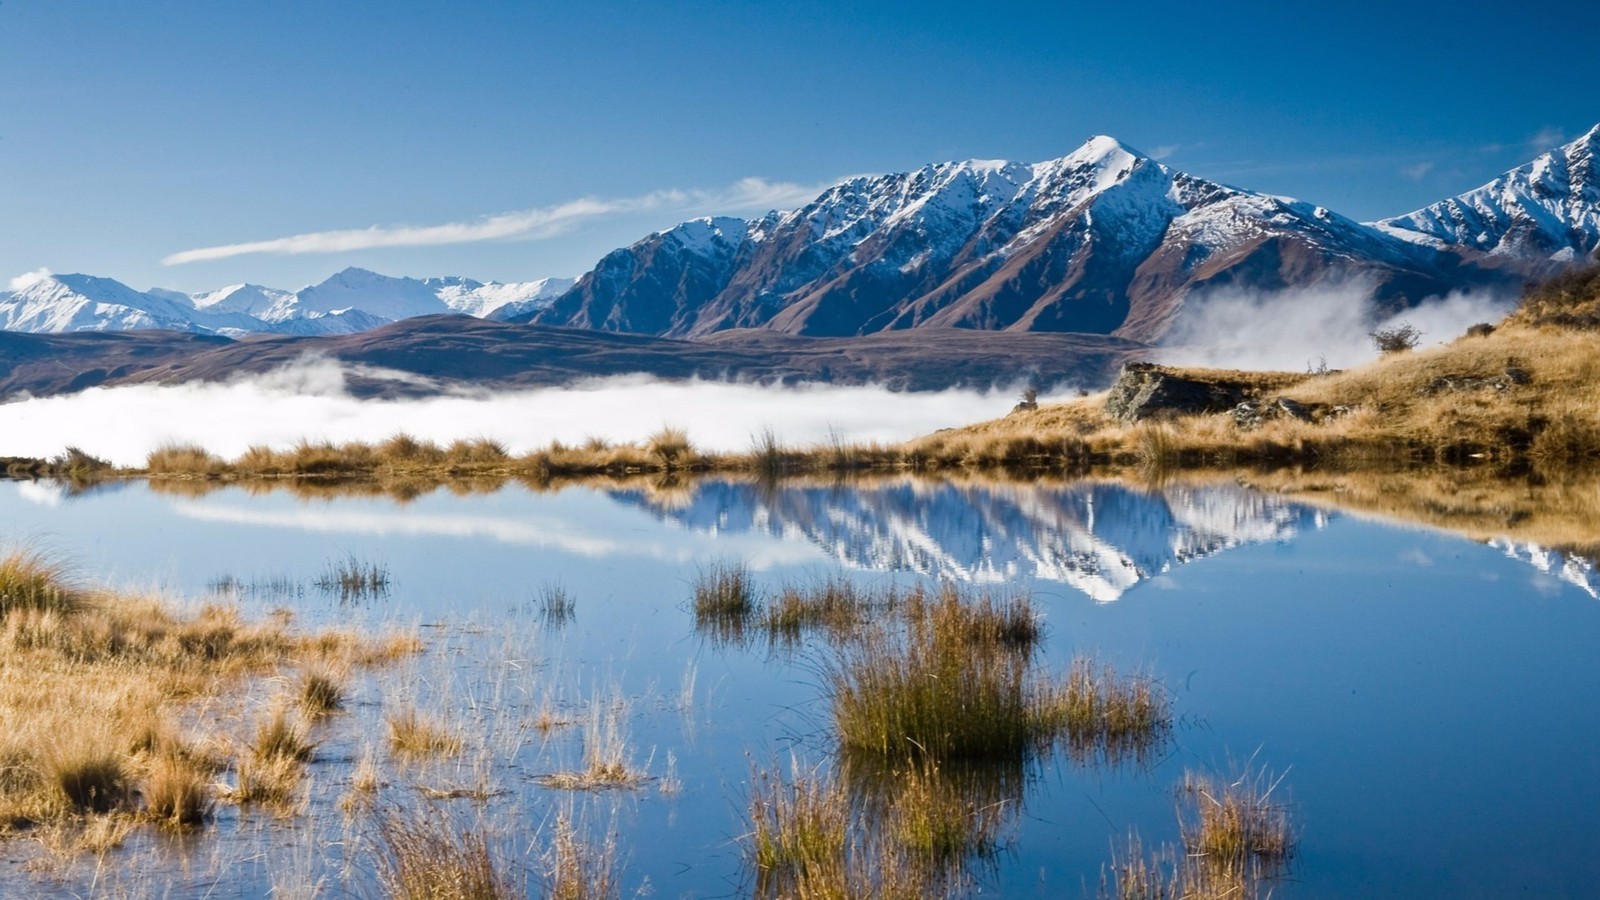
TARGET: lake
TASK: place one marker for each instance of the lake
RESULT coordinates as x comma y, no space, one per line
1428,700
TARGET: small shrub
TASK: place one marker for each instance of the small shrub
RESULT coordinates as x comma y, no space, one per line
1479,330
1396,339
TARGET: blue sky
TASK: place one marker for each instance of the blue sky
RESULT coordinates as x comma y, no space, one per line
518,140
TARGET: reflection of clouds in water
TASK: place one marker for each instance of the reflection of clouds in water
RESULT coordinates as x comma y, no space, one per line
565,535
42,493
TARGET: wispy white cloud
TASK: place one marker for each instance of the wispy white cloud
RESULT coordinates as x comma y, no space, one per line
1164,151
541,222
1545,139
1417,172
27,278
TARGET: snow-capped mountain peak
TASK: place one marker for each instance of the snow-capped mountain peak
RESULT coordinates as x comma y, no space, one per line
1548,208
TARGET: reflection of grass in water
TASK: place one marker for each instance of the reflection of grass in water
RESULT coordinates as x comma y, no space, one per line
353,580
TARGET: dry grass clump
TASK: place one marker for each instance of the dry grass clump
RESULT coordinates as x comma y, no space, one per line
280,737
424,854
1109,717
178,792
943,686
1236,839
607,758
946,820
725,599
88,690
576,868
30,580
184,459
322,690
1237,825
417,736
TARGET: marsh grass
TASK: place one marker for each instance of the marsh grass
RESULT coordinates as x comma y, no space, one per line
413,735
322,690
555,605
725,600
31,580
943,686
1239,825
281,737
577,868
607,756
354,580
423,853
90,691
836,607
800,825
178,792
1109,717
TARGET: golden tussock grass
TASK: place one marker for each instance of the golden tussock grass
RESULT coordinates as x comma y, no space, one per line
423,853
415,735
90,690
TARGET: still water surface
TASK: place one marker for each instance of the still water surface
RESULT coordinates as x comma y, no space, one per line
1432,700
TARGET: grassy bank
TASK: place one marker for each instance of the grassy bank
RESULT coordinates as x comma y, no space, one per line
96,690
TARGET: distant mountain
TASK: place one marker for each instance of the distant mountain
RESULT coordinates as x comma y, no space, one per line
1104,240
350,301
428,355
1548,209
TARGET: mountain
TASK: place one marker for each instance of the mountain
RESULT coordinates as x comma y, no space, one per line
1104,240
1548,209
63,303
1100,538
349,302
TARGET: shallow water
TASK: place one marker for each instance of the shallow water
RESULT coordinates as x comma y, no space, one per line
1429,699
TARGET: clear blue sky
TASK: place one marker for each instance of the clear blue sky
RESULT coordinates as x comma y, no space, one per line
130,132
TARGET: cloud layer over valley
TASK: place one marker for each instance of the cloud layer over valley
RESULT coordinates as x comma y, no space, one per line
308,402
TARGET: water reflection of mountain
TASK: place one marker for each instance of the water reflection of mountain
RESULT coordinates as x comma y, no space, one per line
1102,538
1578,571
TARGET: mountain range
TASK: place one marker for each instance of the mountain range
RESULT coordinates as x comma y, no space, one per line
1102,241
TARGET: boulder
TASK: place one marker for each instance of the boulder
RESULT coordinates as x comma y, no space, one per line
1147,390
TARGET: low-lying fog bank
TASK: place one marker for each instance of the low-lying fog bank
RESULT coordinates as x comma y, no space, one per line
309,402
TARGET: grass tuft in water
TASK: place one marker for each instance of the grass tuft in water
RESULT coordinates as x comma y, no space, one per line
354,580
1239,825
414,735
576,868
724,601
178,793
322,691
1109,717
425,854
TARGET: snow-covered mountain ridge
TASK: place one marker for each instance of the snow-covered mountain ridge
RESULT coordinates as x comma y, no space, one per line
350,301
1104,240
